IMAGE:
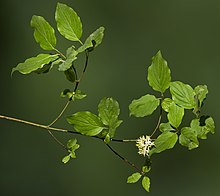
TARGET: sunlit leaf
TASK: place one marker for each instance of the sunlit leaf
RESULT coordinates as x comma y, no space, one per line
188,138
203,128
159,74
175,115
183,95
66,159
166,104
86,123
146,183
134,178
201,92
144,106
165,127
71,55
34,63
166,140
68,22
108,112
43,33
93,40
79,95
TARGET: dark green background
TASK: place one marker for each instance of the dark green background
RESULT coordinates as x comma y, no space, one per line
188,34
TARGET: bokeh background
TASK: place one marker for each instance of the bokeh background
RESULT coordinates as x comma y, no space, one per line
188,34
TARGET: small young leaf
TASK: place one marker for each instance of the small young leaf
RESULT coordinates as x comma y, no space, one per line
43,33
144,106
86,123
202,131
166,140
34,63
66,159
71,143
70,75
68,22
134,178
71,55
166,104
183,94
188,138
79,95
201,92
67,93
159,74
107,138
175,115
165,127
93,40
146,169
146,183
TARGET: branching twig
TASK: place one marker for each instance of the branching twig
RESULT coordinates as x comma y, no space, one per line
49,128
125,160
61,113
160,117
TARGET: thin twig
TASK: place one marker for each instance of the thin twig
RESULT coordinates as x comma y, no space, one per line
68,131
61,113
34,124
124,159
58,141
118,140
159,120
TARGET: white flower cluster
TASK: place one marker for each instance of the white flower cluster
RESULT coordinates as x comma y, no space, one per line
144,145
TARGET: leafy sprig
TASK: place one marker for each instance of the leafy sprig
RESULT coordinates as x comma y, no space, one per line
169,129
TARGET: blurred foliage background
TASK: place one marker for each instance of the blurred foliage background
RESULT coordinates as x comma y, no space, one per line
188,34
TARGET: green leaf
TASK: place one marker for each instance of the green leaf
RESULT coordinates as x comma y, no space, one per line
93,40
34,63
86,123
43,33
159,74
71,55
67,93
165,127
79,95
146,169
73,95
70,75
134,178
68,22
166,140
199,128
188,138
209,126
201,92
108,112
203,128
175,115
166,104
45,69
146,183
107,138
71,143
72,147
183,94
144,106
66,159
